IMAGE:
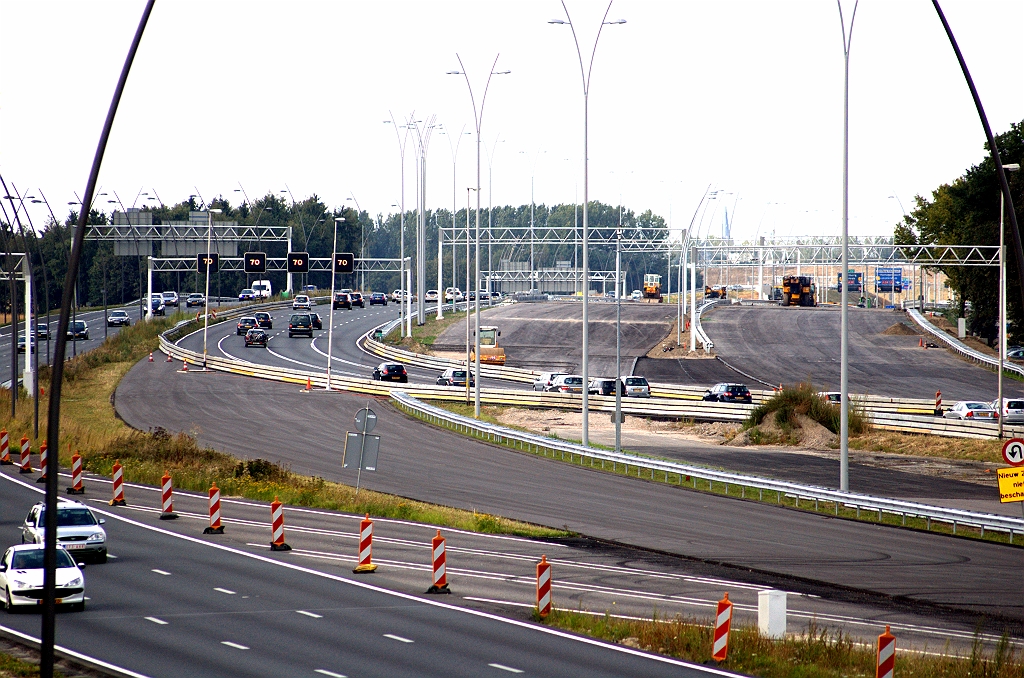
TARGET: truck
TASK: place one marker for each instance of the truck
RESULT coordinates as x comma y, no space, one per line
798,290
714,292
263,289
652,287
490,352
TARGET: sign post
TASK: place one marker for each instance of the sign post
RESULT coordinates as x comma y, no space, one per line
369,446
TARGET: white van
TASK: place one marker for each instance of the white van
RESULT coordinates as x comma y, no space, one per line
262,289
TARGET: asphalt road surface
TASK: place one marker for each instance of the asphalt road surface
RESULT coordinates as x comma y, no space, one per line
252,418
171,602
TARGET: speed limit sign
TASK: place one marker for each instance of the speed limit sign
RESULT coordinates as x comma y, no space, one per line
1013,452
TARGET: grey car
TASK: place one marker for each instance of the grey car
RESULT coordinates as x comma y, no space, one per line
1012,411
78,530
544,381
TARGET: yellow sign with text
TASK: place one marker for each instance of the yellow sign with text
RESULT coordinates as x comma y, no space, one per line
1011,484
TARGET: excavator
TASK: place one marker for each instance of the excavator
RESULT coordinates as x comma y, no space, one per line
490,352
713,293
798,290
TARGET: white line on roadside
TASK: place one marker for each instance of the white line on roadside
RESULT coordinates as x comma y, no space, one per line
156,621
314,615
227,591
234,645
166,574
332,674
398,638
505,668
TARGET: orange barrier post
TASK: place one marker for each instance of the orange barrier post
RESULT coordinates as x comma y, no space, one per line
723,622
544,587
76,475
215,526
167,498
5,451
118,474
277,527
26,461
365,547
885,659
938,403
440,584
42,463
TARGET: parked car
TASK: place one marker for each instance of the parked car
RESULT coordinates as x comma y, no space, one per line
544,380
156,305
171,299
42,331
31,343
1012,410
566,383
454,377
78,530
971,410
301,301
119,318
342,300
263,320
247,295
728,393
318,322
605,386
21,578
393,372
256,337
245,323
357,300
637,387
431,295
300,323
195,299
379,298
77,329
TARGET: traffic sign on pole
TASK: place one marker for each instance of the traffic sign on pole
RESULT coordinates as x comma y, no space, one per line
298,262
255,262
344,262
1013,452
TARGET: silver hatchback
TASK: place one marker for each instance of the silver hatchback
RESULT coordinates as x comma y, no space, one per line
78,530
1012,410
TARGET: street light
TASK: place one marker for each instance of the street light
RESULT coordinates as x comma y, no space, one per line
401,220
330,321
206,316
478,119
362,239
585,73
1012,167
454,150
618,337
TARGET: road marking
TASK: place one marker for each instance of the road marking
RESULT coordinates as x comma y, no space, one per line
166,574
314,615
230,593
398,638
234,645
505,668
332,674
156,621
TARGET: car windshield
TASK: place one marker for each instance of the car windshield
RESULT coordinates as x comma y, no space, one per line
636,381
459,374
247,291
976,406
300,318
119,313
78,325
71,517
33,559
574,381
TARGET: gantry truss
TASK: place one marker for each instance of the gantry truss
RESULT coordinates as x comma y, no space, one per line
192,232
278,264
831,254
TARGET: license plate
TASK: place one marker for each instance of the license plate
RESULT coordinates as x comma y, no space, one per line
71,547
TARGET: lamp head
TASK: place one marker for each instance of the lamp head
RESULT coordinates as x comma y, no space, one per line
557,21
215,210
1012,167
615,23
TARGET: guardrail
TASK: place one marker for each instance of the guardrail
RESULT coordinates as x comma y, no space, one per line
960,347
535,442
701,334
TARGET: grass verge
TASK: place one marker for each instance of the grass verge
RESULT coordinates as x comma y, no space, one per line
90,426
12,667
696,483
816,653
424,336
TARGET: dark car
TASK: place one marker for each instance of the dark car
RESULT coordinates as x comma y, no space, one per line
378,298
156,305
247,295
728,393
342,300
391,372
300,323
42,331
245,323
256,337
357,300
78,330
605,387
318,322
263,320
454,377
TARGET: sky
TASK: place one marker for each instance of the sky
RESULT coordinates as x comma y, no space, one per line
740,97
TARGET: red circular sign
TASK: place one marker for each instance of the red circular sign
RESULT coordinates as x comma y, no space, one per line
1013,452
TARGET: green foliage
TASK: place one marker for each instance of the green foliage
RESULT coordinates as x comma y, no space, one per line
803,399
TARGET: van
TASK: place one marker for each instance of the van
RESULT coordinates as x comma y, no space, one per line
262,289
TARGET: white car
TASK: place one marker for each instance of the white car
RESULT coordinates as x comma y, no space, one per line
545,380
637,387
1013,410
453,294
78,530
171,299
637,294
21,578
301,302
971,410
399,295
430,296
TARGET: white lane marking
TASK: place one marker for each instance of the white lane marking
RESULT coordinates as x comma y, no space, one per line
314,615
120,670
505,668
332,674
227,591
166,574
335,359
398,638
234,645
156,621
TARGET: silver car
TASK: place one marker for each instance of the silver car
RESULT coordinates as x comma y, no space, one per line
544,381
566,383
971,410
1012,411
78,530
637,387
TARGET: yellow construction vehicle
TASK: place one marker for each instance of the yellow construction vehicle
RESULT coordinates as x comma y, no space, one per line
712,293
798,290
490,352
652,287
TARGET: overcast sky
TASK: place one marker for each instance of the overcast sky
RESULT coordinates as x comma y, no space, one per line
744,97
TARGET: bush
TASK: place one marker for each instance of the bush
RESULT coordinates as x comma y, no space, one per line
804,399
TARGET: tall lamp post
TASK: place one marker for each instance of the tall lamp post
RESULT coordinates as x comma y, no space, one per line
454,150
330,321
206,316
478,120
401,220
618,338
585,72
490,211
1012,167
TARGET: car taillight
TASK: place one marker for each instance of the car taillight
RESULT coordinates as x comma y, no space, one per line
564,389
970,414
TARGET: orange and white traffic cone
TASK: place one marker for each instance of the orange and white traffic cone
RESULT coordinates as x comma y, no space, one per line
215,525
42,463
76,475
723,622
885,658
365,547
309,385
168,358
26,460
167,498
920,342
5,451
440,584
150,356
184,366
277,527
543,587
938,403
118,474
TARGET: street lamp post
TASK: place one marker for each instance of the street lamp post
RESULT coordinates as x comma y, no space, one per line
206,316
478,119
468,370
1012,167
618,339
401,222
330,321
585,73
454,150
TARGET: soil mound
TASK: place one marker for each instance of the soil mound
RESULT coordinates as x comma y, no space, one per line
901,329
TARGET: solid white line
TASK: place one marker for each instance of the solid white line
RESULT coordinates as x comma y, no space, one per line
332,674
310,614
77,655
156,621
166,574
230,593
505,668
398,638
234,645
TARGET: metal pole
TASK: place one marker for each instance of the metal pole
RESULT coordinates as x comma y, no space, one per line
206,314
468,365
476,295
330,321
1002,318
618,340
693,298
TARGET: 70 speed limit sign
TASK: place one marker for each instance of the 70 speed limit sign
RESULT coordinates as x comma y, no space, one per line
1013,452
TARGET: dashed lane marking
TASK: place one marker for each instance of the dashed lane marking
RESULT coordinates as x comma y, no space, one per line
166,574
505,668
227,591
398,638
234,645
314,615
332,674
156,621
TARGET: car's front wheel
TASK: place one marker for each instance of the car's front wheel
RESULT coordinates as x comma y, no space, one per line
7,601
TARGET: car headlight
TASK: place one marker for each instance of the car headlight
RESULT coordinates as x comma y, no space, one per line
77,581
99,536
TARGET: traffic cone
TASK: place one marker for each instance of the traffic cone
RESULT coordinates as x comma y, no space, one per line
168,358
150,356
920,342
184,366
309,384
